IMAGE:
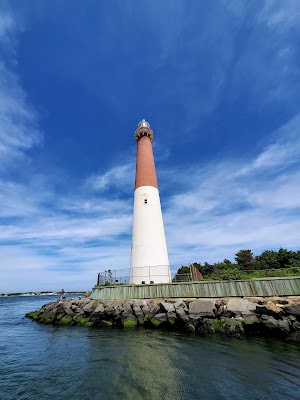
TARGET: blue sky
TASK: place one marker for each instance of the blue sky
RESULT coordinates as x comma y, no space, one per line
219,83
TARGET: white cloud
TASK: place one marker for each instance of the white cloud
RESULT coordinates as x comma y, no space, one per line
18,121
242,204
120,176
219,208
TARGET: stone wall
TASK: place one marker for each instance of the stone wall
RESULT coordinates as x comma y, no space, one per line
231,316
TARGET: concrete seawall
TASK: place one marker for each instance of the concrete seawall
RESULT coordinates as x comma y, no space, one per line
265,287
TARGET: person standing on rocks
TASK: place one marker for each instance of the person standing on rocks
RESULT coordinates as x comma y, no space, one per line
63,295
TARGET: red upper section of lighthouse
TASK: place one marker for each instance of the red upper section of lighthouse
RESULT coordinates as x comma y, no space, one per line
145,167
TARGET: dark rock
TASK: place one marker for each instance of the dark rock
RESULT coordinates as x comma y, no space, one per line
291,318
209,325
172,318
67,310
146,309
159,319
269,308
294,337
221,311
282,301
127,307
167,307
98,314
129,320
296,325
231,327
264,317
190,328
109,311
137,311
284,325
250,319
182,315
293,309
153,311
277,326
75,308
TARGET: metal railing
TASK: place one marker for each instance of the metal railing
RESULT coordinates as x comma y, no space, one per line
145,274
148,274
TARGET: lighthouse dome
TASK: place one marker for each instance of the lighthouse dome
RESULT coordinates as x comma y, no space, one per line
143,123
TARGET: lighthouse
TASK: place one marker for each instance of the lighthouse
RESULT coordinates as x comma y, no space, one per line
149,262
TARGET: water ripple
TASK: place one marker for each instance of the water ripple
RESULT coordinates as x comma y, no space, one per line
44,362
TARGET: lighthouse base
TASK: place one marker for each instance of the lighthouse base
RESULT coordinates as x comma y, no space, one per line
149,261
150,275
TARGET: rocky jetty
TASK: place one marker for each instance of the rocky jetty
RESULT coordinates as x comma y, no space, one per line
235,317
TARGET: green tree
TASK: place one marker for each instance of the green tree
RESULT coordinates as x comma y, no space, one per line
268,260
284,257
244,259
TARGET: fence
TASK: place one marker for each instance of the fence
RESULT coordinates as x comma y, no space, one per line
147,274
144,274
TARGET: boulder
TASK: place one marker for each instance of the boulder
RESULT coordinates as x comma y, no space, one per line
109,311
159,319
172,318
146,309
167,307
68,310
240,307
127,307
182,315
98,314
269,308
180,304
190,328
250,319
82,303
292,309
90,307
137,311
99,309
129,320
231,327
272,324
139,303
284,325
153,311
209,325
202,308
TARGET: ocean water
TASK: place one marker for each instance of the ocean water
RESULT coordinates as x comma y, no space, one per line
49,362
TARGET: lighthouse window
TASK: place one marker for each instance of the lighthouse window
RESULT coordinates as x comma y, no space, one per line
145,201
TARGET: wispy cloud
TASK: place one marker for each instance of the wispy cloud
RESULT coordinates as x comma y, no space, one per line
118,177
221,207
18,121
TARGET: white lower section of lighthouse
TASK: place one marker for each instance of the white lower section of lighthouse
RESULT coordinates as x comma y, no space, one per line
149,255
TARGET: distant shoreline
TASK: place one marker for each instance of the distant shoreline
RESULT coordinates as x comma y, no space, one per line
28,294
